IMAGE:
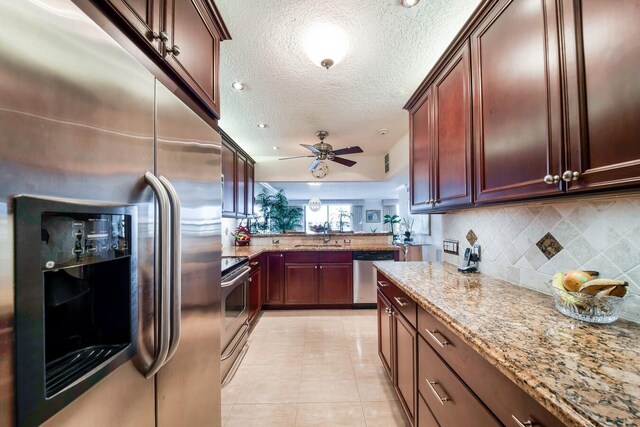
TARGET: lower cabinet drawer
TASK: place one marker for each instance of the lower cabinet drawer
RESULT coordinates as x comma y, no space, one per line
449,399
401,301
425,417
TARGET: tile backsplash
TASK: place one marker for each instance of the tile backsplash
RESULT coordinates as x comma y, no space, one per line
527,244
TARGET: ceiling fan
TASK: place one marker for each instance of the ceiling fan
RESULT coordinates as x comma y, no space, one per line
323,151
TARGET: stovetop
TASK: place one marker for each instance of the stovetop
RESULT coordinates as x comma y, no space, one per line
232,263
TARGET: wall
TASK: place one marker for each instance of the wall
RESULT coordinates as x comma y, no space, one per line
596,234
228,225
372,205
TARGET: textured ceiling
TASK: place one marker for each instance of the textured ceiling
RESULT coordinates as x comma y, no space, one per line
391,50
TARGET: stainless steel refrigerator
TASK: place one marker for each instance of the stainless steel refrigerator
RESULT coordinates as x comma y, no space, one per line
80,118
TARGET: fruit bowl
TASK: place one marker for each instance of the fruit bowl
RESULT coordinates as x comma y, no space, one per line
588,308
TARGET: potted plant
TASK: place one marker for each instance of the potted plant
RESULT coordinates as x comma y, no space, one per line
408,229
392,220
341,219
276,215
241,235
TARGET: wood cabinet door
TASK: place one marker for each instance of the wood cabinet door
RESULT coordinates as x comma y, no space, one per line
254,293
405,350
385,333
421,155
250,187
241,185
516,101
452,144
603,66
274,283
425,417
229,174
335,283
301,283
141,15
193,49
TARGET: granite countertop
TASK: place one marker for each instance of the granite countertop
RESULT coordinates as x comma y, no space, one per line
252,251
585,374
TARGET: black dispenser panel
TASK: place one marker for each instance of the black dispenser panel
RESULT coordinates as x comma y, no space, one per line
76,300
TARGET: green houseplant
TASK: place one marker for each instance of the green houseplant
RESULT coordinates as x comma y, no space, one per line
276,215
392,220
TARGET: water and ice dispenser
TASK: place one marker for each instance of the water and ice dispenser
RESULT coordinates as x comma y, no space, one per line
76,300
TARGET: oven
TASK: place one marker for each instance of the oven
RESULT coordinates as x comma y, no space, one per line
235,309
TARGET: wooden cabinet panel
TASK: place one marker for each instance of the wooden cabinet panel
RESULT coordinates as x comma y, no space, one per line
385,333
141,15
250,187
449,399
425,417
301,283
452,118
335,256
603,64
255,290
191,31
304,256
241,185
401,301
516,101
335,283
274,283
406,348
229,174
421,155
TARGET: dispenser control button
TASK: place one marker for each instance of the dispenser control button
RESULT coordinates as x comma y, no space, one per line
50,264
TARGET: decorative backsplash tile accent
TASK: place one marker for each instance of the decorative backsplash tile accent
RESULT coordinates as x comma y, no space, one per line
598,234
471,237
549,246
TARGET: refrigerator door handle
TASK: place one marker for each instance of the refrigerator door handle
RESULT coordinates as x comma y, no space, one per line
162,288
176,268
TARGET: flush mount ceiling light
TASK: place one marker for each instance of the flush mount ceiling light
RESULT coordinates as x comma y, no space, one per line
383,131
237,85
409,3
325,44
262,125
315,204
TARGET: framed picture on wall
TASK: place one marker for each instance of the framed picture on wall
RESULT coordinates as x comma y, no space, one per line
374,215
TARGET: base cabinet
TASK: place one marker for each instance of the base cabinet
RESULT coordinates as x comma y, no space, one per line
255,290
438,378
274,280
300,283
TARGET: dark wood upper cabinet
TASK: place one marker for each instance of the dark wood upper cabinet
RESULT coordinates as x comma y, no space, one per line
603,93
193,47
143,16
451,93
230,178
421,155
274,278
250,187
241,184
516,101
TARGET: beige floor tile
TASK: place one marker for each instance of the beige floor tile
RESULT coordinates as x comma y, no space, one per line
384,414
275,353
325,352
328,383
262,415
226,410
270,384
373,382
330,414
364,350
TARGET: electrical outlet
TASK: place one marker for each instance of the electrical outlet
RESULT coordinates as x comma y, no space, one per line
226,231
347,240
275,241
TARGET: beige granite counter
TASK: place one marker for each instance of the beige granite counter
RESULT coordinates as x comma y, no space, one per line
254,250
585,374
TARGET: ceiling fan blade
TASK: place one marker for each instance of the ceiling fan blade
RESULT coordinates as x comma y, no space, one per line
344,161
313,165
348,150
311,148
295,157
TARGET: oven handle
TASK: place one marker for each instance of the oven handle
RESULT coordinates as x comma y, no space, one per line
233,281
162,290
176,268
224,357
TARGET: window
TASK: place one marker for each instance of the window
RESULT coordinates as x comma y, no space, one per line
333,214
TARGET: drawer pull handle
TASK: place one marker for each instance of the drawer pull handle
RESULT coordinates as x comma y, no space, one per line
442,399
433,333
253,264
527,423
400,300
382,283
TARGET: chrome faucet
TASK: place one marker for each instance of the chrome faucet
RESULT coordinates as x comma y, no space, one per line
326,238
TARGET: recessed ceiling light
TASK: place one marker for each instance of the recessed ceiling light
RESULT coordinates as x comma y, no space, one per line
314,184
409,3
383,131
237,85
262,125
275,148
325,44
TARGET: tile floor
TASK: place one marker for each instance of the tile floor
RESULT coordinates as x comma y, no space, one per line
312,368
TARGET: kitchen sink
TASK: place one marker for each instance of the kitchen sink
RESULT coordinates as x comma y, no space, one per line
318,246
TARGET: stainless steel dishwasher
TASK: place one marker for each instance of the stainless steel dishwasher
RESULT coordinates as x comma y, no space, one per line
364,275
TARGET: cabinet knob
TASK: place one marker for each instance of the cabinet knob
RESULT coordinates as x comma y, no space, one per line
552,179
163,37
527,423
569,176
174,50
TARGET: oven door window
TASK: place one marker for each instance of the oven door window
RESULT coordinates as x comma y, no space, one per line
235,305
